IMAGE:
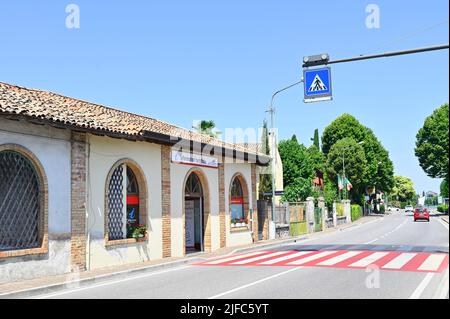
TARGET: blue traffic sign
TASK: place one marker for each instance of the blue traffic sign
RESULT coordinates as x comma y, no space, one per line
317,84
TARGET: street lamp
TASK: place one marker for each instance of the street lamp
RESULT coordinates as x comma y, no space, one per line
271,110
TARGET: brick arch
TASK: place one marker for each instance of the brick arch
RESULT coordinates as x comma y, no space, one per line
245,192
43,202
143,198
206,208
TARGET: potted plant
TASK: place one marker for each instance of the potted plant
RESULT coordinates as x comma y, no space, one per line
233,222
138,231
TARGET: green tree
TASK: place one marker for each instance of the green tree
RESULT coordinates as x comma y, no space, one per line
347,153
380,169
265,180
207,128
298,170
404,189
432,143
316,139
444,188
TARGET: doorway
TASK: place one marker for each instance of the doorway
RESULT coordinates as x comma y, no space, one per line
194,217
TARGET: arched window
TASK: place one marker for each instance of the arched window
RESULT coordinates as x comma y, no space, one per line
125,204
21,209
237,204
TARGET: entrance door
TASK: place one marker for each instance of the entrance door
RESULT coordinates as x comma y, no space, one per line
193,205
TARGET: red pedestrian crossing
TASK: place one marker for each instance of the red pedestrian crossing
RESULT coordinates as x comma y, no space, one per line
352,259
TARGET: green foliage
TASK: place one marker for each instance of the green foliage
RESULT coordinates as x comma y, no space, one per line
355,212
355,164
444,188
265,180
207,128
403,188
432,143
403,205
339,209
380,169
298,170
382,209
443,208
316,139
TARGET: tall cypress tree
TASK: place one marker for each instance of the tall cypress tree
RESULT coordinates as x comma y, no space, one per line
265,180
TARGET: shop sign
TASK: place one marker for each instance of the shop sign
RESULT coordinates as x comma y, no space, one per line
187,158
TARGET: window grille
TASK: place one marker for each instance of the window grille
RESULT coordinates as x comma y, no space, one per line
19,202
115,204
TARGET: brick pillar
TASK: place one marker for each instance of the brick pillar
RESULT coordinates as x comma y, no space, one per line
165,189
254,204
78,200
222,209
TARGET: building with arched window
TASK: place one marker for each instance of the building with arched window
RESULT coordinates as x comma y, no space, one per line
84,186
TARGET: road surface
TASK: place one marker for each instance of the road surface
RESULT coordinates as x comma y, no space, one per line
412,263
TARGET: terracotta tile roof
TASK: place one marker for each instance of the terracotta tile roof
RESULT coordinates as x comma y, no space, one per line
64,110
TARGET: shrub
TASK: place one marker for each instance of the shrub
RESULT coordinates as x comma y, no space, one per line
340,209
403,205
355,212
382,209
443,208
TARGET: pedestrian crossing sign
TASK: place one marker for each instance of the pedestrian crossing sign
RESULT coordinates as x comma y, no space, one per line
317,84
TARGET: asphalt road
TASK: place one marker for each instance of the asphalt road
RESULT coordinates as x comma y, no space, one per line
395,232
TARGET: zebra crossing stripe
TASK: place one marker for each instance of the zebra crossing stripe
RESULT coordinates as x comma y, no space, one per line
224,260
284,258
340,258
432,263
308,259
369,260
248,261
399,261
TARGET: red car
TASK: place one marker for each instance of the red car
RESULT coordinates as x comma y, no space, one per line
421,213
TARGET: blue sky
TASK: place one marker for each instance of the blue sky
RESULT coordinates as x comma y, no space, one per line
181,61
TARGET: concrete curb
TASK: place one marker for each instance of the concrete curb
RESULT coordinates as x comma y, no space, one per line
52,288
445,219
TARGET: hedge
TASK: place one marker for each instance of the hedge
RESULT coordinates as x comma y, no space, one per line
443,208
355,212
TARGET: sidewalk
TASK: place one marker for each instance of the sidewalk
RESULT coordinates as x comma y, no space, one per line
445,218
50,284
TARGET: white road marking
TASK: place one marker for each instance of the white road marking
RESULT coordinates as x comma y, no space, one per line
338,259
224,260
432,263
443,288
254,283
399,261
369,259
291,256
311,258
443,223
247,261
423,284
109,283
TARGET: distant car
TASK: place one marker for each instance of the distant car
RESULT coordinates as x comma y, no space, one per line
409,208
391,208
421,213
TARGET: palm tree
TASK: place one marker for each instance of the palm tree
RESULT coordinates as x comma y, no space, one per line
206,127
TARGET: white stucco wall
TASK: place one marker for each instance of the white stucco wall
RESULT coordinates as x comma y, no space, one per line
178,174
104,153
52,147
237,238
